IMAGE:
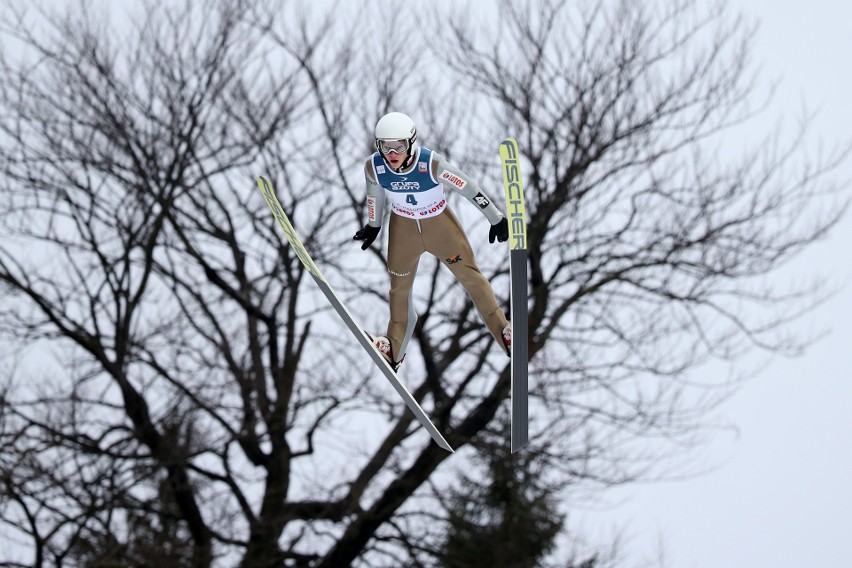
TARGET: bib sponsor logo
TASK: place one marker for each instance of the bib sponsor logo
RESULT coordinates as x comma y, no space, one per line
405,185
403,211
453,179
380,169
434,209
422,167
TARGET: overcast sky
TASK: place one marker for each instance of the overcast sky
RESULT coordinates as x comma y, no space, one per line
782,494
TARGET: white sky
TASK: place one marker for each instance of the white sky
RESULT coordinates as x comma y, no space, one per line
782,494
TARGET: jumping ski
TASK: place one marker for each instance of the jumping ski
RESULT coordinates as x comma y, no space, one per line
273,203
516,211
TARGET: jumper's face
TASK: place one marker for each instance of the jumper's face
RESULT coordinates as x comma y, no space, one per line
394,151
395,160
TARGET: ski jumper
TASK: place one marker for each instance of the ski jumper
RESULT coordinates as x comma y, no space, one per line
421,221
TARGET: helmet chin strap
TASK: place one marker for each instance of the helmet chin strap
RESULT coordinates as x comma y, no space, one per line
406,162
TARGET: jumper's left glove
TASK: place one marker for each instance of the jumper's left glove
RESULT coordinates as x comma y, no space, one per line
499,230
367,234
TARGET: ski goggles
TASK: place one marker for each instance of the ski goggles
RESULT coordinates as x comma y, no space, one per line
393,146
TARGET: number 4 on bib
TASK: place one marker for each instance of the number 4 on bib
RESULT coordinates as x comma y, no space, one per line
516,211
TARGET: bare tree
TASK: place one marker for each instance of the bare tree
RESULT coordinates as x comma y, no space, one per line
207,403
654,237
120,166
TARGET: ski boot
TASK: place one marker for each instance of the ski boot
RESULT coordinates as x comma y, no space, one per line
382,343
507,338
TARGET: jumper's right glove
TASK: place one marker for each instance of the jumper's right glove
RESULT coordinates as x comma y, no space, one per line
368,234
499,230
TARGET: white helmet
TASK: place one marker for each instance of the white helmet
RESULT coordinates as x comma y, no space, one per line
395,133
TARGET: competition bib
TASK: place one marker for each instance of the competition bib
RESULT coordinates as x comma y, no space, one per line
414,194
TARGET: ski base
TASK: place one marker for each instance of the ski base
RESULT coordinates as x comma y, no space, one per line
516,211
363,339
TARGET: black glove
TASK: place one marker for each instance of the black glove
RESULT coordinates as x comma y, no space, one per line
367,234
500,231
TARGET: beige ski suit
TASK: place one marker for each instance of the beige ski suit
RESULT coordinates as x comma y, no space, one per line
421,221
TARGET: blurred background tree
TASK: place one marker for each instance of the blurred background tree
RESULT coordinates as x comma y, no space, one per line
178,384
505,518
